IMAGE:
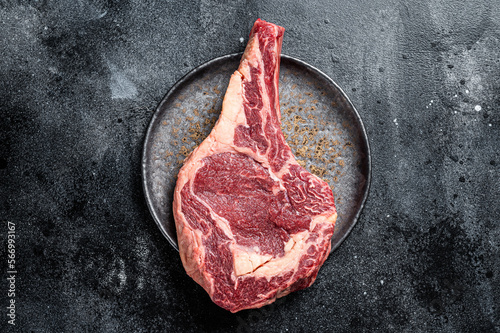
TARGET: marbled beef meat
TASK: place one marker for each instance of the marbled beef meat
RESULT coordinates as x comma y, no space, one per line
252,224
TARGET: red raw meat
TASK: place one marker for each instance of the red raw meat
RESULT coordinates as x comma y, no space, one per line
252,224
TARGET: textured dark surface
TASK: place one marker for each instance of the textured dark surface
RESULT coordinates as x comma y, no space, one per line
79,81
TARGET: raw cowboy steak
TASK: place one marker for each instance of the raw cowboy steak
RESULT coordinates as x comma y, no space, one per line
252,224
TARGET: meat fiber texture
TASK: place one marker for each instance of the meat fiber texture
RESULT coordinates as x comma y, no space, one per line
252,224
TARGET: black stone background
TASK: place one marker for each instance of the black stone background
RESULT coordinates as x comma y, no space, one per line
80,81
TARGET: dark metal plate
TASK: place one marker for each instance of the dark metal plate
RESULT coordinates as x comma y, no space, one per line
320,124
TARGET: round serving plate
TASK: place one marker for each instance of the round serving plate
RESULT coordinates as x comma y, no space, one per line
320,124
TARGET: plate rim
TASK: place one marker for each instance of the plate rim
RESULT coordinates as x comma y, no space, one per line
199,68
